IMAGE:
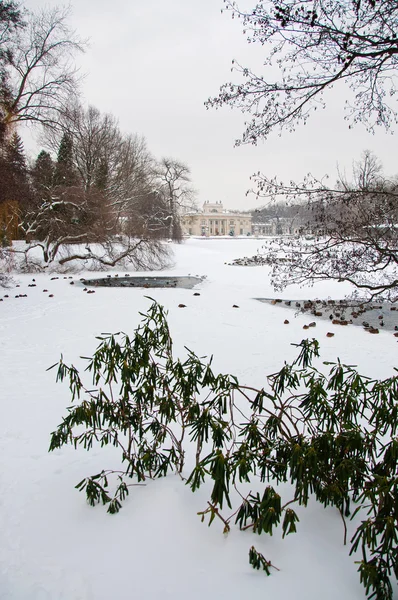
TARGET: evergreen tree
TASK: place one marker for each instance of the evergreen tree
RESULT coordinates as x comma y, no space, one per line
4,179
43,175
65,172
15,190
14,173
16,155
102,175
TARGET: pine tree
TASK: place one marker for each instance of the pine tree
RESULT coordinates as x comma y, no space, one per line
43,175
15,190
16,155
65,172
14,173
102,175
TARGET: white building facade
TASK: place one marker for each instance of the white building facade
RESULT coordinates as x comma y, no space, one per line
213,220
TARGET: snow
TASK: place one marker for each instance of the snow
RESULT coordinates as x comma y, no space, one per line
54,546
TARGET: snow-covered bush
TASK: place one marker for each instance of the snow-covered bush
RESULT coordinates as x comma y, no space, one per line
122,252
6,266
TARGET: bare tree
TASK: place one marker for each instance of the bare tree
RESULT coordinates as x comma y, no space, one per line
40,72
356,224
367,173
132,177
315,44
174,180
95,138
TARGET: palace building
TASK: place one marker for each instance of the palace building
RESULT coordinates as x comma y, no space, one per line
214,220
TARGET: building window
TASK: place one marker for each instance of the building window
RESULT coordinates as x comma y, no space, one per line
232,222
203,221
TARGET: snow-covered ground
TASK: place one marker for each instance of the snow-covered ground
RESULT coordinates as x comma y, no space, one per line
53,545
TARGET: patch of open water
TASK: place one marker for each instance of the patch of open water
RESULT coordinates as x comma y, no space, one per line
373,315
164,281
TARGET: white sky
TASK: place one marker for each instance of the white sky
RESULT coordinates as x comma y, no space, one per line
153,63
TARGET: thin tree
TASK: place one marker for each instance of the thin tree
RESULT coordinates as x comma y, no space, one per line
174,179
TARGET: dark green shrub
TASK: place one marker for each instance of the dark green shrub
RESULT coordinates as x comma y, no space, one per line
333,437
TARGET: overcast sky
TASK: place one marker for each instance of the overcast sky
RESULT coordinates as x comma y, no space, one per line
153,63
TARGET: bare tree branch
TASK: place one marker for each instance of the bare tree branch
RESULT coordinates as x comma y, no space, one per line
314,45
356,229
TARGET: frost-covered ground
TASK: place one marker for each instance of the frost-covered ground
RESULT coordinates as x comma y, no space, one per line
53,545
